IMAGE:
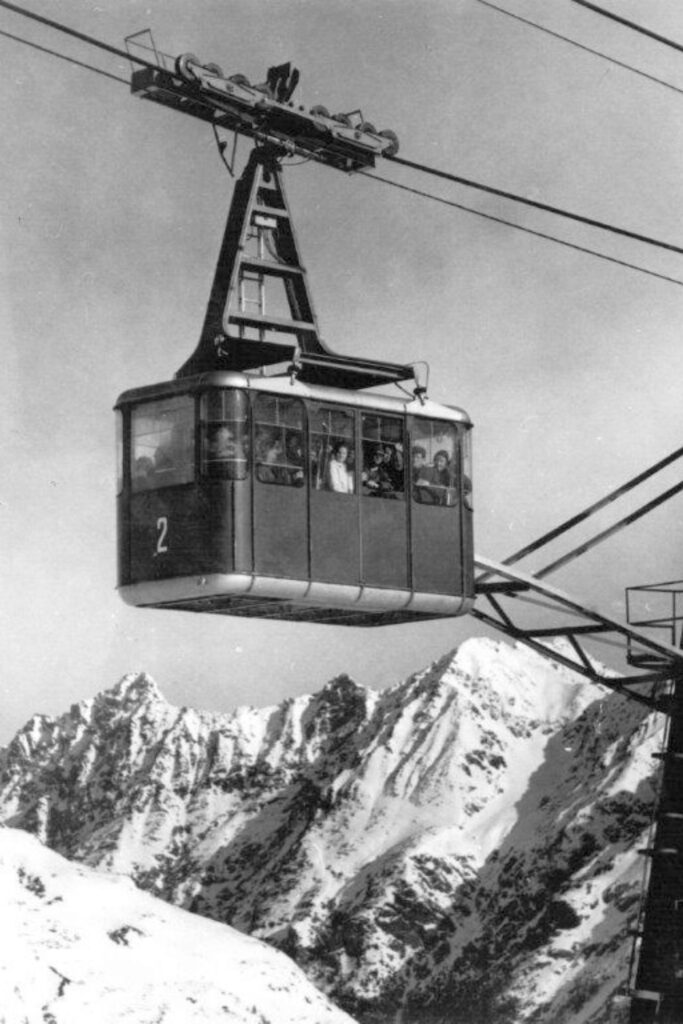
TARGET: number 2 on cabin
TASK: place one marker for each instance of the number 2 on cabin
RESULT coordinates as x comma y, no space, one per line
162,527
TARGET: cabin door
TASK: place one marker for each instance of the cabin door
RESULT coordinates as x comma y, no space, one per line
280,513
384,512
335,531
437,508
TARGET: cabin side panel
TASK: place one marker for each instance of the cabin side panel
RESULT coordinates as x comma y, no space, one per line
335,541
180,533
385,543
437,560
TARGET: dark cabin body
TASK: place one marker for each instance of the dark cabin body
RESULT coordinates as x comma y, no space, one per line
227,501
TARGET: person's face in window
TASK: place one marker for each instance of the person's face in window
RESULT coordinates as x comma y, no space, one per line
341,454
143,467
418,458
440,463
294,449
223,442
274,451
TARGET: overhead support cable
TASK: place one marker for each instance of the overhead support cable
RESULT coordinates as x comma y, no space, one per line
91,40
500,581
534,203
423,168
581,46
520,227
616,528
597,506
629,24
407,163
63,56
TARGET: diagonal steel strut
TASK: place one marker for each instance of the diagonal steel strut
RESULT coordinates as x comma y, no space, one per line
592,622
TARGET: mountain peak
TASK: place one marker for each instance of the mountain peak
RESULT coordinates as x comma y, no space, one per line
343,684
136,688
521,681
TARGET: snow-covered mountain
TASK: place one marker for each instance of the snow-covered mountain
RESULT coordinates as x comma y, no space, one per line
81,946
459,848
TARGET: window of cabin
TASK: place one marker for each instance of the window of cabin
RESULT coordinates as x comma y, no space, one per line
332,450
434,462
224,447
383,471
119,451
467,469
162,443
279,440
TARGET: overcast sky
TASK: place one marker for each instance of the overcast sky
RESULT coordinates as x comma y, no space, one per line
112,215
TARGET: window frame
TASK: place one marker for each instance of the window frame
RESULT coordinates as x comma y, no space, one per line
319,463
229,467
382,484
287,471
429,492
120,450
185,473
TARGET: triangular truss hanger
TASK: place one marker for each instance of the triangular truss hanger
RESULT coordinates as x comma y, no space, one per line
260,311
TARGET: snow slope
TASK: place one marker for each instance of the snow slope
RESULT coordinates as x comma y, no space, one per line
80,946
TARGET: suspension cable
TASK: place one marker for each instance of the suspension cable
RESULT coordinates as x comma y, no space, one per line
616,528
63,56
591,509
76,34
581,46
629,24
520,227
423,168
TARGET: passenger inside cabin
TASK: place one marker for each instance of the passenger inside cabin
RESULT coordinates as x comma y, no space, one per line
419,462
223,444
270,457
396,467
163,459
441,471
226,452
376,474
295,458
143,473
339,476
433,484
174,456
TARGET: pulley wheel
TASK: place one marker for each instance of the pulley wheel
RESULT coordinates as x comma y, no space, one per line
392,149
184,64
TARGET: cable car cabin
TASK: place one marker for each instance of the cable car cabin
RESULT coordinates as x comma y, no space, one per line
249,495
